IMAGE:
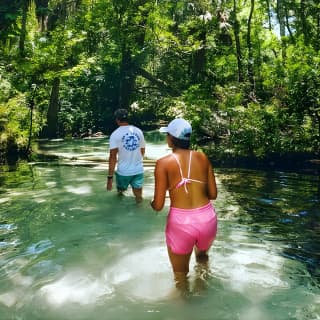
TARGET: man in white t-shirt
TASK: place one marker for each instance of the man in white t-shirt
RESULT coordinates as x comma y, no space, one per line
127,148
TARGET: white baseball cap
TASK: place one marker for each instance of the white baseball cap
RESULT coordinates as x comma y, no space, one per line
178,128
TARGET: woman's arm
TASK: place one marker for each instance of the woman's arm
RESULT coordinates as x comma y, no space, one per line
212,186
160,186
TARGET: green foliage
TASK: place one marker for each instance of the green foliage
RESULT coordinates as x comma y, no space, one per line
303,80
9,13
261,130
15,119
165,59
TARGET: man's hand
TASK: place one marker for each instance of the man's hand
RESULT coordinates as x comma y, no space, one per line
109,183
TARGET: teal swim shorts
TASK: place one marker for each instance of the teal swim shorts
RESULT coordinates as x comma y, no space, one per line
136,181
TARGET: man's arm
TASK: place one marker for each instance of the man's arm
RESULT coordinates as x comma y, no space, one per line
112,164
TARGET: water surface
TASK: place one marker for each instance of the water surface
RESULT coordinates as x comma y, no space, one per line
71,250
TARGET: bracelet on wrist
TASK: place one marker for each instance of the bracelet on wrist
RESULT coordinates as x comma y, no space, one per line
110,177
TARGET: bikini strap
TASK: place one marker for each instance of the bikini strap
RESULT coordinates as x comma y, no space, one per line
178,165
189,168
184,180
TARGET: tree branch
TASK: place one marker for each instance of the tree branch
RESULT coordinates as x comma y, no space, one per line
161,85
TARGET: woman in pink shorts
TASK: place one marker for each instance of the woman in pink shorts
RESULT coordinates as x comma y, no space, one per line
189,178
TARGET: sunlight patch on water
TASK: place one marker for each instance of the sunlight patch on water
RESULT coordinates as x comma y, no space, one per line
102,166
41,196
85,189
83,209
47,170
249,267
4,199
156,151
39,200
145,274
20,282
9,298
86,179
141,275
75,287
253,313
51,184
15,193
66,155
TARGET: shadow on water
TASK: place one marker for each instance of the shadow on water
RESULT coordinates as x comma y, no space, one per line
71,250
280,206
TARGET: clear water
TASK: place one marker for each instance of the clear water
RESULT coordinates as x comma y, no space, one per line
71,250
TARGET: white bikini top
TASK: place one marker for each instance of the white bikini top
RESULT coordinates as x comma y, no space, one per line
184,181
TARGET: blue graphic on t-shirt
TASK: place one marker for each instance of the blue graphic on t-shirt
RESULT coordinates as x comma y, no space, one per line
130,141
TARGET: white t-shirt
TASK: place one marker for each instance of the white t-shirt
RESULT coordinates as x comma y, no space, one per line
129,140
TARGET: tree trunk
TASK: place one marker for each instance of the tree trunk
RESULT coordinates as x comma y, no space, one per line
304,23
250,53
31,107
136,33
23,32
127,79
236,30
281,17
42,13
317,39
50,131
282,25
198,59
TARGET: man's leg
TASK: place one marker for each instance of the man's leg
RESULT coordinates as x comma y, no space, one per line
138,194
137,183
121,192
122,184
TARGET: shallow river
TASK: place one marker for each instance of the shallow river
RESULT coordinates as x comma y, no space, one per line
71,250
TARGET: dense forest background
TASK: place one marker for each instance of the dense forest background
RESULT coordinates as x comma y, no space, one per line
246,73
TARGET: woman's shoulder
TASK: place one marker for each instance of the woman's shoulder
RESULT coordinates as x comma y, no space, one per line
201,158
199,154
164,159
163,163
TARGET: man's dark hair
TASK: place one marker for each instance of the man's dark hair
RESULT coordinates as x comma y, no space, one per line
183,144
121,114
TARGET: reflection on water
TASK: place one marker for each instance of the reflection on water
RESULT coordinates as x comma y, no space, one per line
70,250
281,207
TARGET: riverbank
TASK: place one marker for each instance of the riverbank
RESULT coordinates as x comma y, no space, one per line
292,162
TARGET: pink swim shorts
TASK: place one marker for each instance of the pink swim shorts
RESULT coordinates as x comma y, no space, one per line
187,228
